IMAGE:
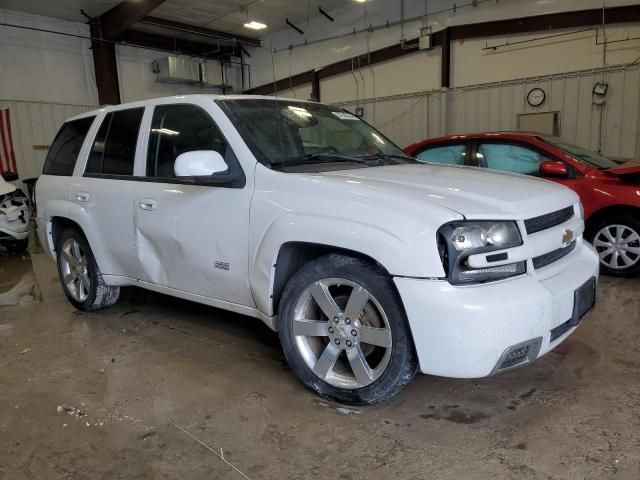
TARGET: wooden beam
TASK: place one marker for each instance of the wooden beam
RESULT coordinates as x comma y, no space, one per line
445,58
315,86
116,21
205,32
173,45
551,21
106,69
582,18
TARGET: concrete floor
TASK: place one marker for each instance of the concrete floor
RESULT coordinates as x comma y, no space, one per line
156,388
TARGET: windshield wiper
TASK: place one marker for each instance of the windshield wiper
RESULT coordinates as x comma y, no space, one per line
324,158
331,157
393,156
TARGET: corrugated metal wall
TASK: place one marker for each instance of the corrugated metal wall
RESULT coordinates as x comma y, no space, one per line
34,125
412,117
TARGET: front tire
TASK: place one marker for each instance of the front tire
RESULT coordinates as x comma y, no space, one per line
344,331
617,241
79,275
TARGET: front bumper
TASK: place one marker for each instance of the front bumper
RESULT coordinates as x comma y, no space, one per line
465,331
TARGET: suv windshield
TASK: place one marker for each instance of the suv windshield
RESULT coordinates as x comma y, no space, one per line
285,133
581,154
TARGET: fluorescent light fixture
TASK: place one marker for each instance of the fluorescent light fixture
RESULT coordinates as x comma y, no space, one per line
361,1
302,112
253,25
165,131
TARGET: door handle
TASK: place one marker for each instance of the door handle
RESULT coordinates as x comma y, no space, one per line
82,196
148,204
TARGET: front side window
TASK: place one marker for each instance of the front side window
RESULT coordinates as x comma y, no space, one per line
114,148
177,129
509,157
63,153
447,154
284,133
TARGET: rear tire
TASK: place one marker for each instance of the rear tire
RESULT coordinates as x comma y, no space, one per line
16,246
344,331
617,241
79,274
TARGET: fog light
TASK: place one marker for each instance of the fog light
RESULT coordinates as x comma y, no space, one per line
490,273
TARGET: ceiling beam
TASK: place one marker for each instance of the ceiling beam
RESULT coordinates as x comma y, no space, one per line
116,21
174,45
205,32
581,18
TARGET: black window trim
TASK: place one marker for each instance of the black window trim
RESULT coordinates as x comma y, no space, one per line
475,142
109,115
234,178
84,140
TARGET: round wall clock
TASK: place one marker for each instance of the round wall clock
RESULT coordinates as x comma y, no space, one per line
535,97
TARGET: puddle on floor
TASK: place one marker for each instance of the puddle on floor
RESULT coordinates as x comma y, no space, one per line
18,285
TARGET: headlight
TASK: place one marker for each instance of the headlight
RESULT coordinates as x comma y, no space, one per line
458,240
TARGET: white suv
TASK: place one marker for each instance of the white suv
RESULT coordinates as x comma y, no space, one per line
369,265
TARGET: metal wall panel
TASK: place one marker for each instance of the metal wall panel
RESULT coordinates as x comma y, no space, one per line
35,124
494,107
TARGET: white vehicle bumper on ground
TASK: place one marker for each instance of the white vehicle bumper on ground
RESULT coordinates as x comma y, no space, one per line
475,331
14,218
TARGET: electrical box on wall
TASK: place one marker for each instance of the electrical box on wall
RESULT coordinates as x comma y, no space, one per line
425,41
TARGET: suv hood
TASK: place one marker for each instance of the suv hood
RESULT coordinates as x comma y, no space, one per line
472,192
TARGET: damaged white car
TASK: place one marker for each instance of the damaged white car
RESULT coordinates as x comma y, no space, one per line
370,265
14,216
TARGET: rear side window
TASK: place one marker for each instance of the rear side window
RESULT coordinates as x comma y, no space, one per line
447,154
65,148
177,129
114,149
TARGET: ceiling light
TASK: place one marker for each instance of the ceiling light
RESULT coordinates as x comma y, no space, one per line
253,25
361,1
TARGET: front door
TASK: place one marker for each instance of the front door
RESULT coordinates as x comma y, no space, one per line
192,236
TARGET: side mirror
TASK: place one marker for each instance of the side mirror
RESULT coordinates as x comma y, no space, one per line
552,168
10,176
199,163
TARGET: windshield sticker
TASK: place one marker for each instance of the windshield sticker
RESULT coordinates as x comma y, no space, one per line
345,116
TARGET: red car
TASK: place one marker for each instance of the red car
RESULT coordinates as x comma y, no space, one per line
609,191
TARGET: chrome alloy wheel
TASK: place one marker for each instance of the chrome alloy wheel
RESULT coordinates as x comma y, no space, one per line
618,246
74,269
342,333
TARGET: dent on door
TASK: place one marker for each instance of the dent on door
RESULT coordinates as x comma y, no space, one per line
194,239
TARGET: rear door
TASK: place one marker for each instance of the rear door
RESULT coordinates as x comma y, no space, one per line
106,191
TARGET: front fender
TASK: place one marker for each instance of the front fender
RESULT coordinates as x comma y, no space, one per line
388,247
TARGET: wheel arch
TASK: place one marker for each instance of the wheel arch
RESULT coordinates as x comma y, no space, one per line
295,254
600,215
61,215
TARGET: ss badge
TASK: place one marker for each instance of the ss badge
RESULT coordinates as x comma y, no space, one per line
221,265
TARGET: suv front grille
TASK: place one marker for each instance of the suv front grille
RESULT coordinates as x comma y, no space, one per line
537,224
553,256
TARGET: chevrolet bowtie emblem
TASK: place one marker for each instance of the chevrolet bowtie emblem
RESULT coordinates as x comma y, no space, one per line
567,237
